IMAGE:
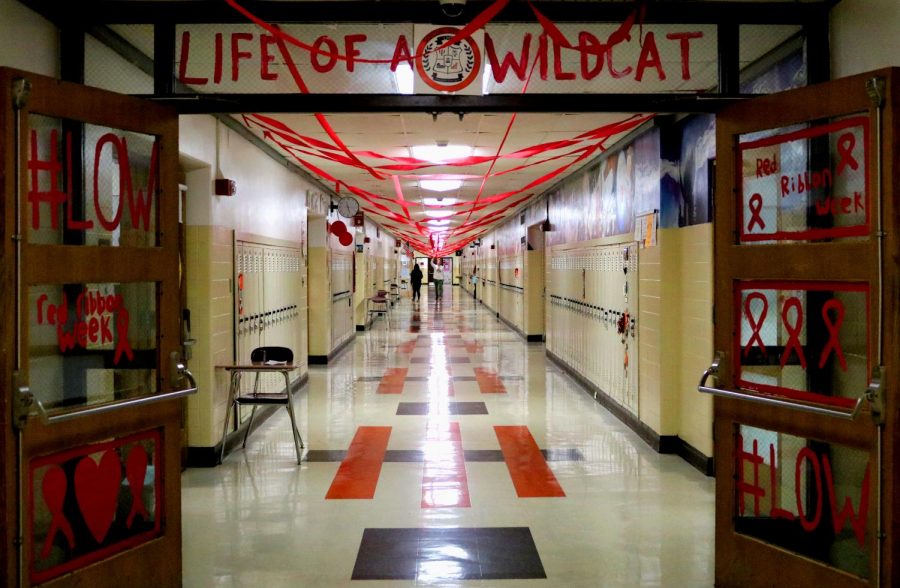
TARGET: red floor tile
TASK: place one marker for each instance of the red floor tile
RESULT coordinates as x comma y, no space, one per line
489,382
392,381
528,469
358,474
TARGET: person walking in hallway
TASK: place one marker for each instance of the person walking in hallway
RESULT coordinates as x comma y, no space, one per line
415,278
437,277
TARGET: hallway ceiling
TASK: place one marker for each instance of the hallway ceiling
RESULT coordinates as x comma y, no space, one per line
535,151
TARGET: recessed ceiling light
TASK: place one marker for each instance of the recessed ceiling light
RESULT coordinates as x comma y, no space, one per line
439,201
440,185
440,153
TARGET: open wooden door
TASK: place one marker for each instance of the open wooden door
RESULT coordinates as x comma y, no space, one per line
90,355
806,328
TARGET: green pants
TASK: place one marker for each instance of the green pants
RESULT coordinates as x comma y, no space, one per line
438,288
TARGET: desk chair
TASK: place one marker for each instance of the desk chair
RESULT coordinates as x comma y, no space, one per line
379,304
262,359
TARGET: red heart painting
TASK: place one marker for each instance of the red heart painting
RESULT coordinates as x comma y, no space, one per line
97,491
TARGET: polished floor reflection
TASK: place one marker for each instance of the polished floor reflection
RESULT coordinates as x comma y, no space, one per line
444,450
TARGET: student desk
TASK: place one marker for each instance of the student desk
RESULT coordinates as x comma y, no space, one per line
256,398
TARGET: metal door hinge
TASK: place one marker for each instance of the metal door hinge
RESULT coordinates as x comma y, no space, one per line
875,395
875,90
23,402
21,89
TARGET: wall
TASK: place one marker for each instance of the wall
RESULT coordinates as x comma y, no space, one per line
20,27
269,207
864,36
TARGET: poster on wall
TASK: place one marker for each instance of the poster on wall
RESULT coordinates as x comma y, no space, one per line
646,173
684,168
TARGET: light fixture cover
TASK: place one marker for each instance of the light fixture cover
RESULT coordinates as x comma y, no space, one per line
440,153
439,213
440,185
439,201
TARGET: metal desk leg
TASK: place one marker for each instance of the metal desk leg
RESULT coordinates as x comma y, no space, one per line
235,382
298,440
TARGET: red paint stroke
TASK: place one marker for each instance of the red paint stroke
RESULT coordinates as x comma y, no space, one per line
756,323
139,205
846,145
135,472
794,330
809,286
528,469
357,476
834,329
54,487
393,380
444,480
97,491
488,381
755,206
809,466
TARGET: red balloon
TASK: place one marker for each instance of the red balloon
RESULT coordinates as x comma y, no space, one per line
338,228
345,238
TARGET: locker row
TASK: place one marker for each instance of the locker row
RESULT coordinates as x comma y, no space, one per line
606,316
260,321
267,261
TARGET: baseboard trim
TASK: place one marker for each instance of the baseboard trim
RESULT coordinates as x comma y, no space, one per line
325,359
511,326
696,458
667,444
208,457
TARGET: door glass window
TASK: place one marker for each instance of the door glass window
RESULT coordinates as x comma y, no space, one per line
805,184
807,496
803,340
90,185
92,343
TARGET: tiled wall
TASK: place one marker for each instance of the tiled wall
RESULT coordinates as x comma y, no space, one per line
210,300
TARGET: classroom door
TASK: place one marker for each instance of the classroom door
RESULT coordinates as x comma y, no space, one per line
806,328
93,375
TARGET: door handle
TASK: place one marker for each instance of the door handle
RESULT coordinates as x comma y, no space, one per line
872,392
26,400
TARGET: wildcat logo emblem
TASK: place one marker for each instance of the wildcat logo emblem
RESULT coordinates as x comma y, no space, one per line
451,68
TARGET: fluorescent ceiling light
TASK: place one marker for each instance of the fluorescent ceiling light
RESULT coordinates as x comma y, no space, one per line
438,222
438,201
440,153
440,213
403,75
440,185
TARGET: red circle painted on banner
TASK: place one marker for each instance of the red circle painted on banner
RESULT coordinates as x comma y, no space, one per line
345,238
338,228
463,54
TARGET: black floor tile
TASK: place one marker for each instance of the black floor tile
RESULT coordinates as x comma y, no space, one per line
434,555
404,456
325,455
424,408
483,455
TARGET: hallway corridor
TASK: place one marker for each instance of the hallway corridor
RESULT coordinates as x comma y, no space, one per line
444,450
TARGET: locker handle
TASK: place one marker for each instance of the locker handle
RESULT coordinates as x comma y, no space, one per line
848,415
